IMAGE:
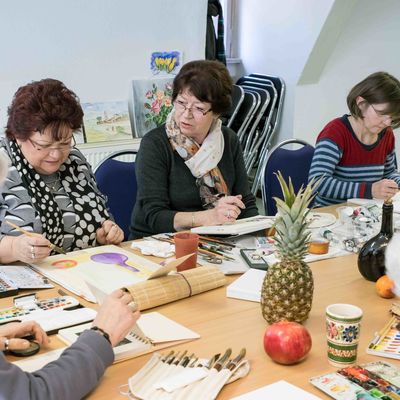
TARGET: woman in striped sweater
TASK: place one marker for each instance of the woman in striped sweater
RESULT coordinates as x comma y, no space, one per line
355,154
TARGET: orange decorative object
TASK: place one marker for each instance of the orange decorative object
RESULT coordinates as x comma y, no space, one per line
318,247
384,286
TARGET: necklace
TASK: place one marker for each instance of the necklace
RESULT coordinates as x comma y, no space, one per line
54,184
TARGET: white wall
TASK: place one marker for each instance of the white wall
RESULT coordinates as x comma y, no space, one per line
94,46
369,42
276,37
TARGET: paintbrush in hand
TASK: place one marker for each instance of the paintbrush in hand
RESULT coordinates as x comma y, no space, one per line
34,234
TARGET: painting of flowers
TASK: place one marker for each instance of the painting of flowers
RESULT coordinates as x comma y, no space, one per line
106,121
165,61
151,103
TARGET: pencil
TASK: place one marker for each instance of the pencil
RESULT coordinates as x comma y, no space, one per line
34,234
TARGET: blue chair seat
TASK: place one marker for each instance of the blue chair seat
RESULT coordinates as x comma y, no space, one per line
117,180
293,163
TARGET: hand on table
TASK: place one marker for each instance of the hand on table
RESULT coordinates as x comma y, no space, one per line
116,316
384,189
109,233
14,330
27,248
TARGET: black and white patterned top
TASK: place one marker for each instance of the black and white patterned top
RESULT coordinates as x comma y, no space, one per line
66,207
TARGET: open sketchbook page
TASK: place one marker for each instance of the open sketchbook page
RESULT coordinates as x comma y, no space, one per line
239,227
105,267
152,332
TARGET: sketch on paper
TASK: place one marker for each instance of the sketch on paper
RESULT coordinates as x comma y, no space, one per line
165,61
106,121
151,103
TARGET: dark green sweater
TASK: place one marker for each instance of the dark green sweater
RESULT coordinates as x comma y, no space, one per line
166,185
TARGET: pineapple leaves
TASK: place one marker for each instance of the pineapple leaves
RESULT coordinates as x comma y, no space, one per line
291,223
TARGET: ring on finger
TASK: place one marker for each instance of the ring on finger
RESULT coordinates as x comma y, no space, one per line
6,344
33,252
229,214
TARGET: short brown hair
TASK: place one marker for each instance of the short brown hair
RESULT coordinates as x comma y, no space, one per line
43,105
377,88
207,80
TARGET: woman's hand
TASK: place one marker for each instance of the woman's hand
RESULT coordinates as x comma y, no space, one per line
30,249
384,189
109,233
227,210
14,330
116,316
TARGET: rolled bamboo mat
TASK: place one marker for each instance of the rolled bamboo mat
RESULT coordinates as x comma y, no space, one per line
175,286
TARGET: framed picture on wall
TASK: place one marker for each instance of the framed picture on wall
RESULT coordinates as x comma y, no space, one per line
106,121
151,103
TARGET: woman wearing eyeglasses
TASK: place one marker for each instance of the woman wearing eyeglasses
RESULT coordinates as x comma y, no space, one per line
190,171
355,154
50,188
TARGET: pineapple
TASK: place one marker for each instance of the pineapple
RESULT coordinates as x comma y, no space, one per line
288,286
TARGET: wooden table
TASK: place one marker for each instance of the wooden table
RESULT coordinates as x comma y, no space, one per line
223,322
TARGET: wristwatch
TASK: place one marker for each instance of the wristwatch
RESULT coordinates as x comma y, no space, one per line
102,332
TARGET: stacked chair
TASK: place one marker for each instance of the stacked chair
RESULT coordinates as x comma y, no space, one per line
255,119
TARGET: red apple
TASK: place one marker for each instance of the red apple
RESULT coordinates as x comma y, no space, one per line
287,342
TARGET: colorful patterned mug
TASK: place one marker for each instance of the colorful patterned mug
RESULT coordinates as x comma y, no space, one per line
343,333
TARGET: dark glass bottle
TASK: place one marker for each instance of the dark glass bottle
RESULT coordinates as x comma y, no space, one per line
371,259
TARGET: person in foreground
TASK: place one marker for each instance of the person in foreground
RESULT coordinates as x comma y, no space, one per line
190,171
355,154
80,367
50,188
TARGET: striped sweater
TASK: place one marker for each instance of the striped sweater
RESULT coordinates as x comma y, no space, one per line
348,167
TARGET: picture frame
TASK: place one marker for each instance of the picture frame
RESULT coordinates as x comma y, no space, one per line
107,121
151,102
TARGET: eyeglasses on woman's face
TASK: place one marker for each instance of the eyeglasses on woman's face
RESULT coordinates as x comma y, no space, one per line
197,112
63,146
387,119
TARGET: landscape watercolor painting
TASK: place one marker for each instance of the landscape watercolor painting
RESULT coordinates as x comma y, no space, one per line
151,103
106,121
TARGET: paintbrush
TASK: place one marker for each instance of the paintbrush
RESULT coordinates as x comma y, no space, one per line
34,234
382,333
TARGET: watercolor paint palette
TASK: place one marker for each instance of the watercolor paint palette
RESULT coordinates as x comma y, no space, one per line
375,380
387,342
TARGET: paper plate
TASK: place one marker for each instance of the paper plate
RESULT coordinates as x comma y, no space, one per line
320,220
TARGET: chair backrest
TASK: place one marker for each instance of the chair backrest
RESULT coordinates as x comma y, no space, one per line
237,100
117,180
245,114
291,162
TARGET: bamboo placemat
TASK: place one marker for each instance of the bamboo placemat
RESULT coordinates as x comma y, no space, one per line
166,289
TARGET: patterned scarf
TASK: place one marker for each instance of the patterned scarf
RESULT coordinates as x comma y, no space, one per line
201,160
88,208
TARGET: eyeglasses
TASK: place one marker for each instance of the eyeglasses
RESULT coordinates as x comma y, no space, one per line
384,117
47,148
197,112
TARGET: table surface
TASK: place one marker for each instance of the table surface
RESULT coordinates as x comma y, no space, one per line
223,322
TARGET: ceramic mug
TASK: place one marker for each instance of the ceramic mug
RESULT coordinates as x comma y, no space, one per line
343,333
186,243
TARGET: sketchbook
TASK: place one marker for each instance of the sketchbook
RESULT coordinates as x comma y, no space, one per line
239,227
105,267
152,332
248,286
